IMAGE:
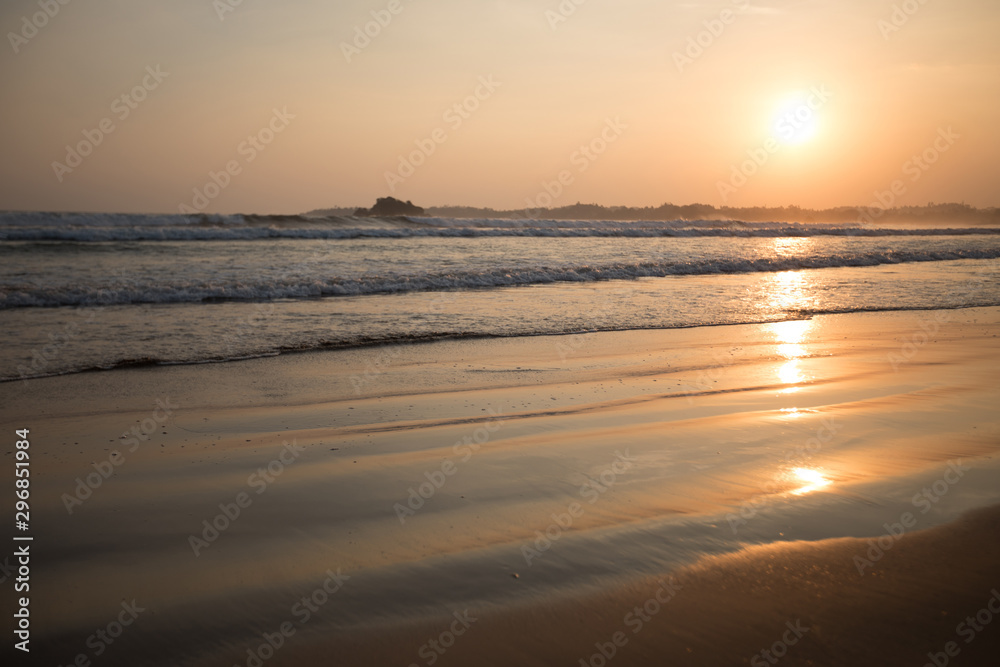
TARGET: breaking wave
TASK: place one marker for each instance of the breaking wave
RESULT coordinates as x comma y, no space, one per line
181,291
109,227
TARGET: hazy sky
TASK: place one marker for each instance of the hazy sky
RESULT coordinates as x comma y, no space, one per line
666,119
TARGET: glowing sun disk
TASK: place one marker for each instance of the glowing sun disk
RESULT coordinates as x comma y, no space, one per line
796,120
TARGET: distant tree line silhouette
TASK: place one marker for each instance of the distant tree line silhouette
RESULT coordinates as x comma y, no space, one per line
931,213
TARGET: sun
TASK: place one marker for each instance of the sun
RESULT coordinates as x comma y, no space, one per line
796,119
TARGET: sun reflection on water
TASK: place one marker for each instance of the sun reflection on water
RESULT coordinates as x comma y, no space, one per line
785,293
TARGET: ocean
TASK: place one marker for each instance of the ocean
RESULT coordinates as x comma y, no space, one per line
85,291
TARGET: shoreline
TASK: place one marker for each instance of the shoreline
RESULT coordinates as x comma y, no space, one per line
587,465
431,339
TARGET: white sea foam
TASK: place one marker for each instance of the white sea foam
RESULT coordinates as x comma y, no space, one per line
105,227
182,291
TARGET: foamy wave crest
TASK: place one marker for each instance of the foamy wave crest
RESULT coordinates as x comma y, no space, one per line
106,227
194,292
41,219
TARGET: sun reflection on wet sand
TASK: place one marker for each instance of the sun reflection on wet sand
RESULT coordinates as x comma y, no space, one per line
789,336
813,479
791,350
789,373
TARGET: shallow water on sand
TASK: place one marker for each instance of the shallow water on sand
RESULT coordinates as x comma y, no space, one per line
690,443
47,341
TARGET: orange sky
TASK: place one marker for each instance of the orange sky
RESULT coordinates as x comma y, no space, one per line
677,101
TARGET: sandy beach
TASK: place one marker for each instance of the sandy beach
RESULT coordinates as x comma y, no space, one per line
500,334
692,496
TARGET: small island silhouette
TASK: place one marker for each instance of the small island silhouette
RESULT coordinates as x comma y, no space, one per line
389,206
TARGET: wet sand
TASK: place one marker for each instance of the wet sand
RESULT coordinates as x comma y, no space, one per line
362,499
